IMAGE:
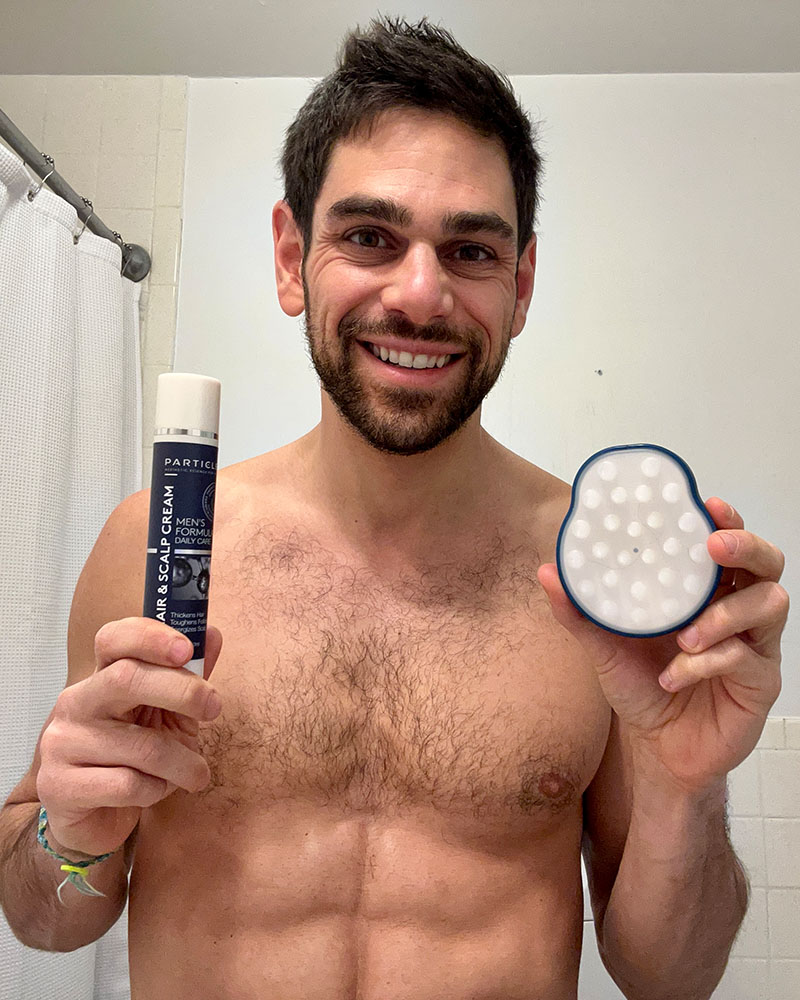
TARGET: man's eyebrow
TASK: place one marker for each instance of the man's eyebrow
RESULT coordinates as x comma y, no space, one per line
391,212
382,209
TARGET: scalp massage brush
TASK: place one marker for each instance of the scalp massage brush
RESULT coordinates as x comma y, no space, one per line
631,552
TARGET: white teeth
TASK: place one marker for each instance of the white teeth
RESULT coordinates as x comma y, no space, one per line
407,360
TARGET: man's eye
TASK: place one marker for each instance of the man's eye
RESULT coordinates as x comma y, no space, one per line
473,252
367,238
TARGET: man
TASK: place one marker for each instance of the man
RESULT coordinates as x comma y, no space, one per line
417,733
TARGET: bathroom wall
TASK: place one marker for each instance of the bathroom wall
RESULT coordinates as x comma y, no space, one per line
120,142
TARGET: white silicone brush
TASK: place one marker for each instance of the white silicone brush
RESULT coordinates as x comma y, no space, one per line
632,552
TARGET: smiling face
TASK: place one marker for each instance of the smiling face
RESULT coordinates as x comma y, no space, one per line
409,285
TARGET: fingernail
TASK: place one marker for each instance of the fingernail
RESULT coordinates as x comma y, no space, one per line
690,637
666,681
179,650
731,542
214,705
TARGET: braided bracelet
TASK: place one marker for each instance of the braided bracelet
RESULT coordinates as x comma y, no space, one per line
75,869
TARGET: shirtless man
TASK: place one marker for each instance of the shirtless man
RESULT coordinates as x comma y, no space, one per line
418,735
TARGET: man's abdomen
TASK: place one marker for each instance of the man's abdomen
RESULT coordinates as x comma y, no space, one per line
307,902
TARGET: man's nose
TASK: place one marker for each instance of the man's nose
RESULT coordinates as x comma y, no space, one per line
419,286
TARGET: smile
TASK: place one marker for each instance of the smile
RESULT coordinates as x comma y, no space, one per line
407,360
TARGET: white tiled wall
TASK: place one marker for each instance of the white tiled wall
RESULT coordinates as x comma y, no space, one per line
765,830
120,141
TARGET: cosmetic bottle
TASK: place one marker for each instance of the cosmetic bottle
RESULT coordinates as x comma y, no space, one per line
177,575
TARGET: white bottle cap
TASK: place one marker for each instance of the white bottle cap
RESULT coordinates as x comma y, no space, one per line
188,403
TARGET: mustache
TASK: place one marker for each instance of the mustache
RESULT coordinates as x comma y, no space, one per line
352,328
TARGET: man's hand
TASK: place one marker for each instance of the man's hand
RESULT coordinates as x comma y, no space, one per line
126,737
696,701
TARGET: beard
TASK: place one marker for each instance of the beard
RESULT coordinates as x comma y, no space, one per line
396,419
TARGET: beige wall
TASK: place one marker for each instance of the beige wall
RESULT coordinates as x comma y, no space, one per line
120,141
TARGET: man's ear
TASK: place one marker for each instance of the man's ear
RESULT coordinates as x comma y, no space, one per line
288,243
526,272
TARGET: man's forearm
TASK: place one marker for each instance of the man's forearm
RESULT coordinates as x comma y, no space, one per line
29,880
679,897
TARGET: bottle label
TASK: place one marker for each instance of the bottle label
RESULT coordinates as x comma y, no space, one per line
177,575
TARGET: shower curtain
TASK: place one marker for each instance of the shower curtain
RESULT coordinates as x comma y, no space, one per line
70,451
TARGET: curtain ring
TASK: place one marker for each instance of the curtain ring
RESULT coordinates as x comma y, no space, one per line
33,192
91,206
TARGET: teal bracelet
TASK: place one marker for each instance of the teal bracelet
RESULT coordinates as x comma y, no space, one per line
75,869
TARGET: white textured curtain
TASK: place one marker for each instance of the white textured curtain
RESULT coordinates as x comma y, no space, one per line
70,451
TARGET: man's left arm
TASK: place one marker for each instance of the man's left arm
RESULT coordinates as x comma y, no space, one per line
668,891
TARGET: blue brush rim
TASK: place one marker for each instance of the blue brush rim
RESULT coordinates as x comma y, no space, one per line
700,506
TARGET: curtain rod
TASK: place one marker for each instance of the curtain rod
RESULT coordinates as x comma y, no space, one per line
135,259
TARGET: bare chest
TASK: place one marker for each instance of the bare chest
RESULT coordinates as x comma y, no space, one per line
449,687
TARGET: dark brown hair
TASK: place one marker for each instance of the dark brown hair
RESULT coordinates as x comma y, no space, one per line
393,65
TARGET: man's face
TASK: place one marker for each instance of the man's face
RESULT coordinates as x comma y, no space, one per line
409,283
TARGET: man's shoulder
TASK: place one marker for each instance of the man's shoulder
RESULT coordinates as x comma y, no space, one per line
540,500
271,469
535,486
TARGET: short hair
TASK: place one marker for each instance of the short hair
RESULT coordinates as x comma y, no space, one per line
392,65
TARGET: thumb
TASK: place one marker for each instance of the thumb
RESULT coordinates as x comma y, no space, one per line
596,641
213,649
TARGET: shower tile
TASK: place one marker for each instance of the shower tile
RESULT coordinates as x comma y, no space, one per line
159,337
131,110
126,181
24,100
782,844
744,794
747,837
150,375
793,734
784,919
780,787
744,979
134,225
773,736
174,102
74,115
752,940
170,168
784,979
166,245
80,172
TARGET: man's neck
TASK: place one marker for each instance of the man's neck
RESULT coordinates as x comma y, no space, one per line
406,505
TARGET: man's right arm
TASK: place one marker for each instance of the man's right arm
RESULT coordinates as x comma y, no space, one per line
98,762
29,877
29,880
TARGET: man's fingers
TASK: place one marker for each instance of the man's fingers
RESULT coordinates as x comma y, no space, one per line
758,613
127,684
141,639
596,641
745,551
120,744
723,514
213,649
